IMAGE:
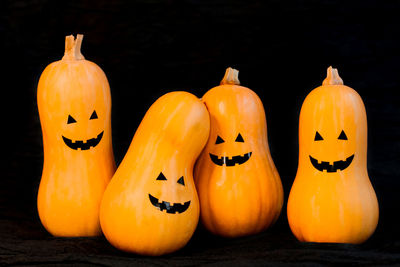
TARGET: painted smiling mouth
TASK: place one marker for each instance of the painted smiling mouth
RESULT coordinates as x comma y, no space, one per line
337,165
164,205
83,145
220,161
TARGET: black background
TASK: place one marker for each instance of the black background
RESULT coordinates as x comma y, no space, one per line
148,48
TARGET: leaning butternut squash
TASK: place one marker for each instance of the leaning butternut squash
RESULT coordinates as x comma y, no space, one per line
74,104
151,206
239,187
332,199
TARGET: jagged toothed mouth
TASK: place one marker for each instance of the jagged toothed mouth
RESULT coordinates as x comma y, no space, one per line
81,144
170,208
220,161
337,165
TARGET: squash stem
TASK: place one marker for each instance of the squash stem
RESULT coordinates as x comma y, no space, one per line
231,77
78,43
73,48
332,77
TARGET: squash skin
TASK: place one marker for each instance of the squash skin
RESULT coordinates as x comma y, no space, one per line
73,181
341,206
243,199
169,139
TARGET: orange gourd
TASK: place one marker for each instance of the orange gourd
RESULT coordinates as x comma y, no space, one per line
151,206
239,187
332,199
74,105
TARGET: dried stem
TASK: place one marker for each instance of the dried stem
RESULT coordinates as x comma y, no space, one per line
231,77
73,48
332,77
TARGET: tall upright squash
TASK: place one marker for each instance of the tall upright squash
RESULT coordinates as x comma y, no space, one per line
239,187
332,199
151,206
74,104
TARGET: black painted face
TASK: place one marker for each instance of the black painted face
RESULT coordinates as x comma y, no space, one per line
336,165
229,162
167,206
83,144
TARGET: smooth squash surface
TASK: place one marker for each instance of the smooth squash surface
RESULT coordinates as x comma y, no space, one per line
332,199
151,206
74,104
239,187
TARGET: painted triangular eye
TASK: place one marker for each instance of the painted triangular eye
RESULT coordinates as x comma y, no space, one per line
93,116
161,177
181,181
219,140
239,138
342,136
318,137
70,119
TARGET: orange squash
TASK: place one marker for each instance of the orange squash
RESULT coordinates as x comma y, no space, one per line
151,206
239,187
74,104
332,199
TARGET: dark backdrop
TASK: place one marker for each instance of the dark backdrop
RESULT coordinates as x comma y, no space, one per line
148,48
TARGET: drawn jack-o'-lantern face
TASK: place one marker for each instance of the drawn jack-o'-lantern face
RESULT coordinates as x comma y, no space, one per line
83,144
78,117
230,161
169,207
332,130
331,166
329,141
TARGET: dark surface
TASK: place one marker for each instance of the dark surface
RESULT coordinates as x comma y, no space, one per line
148,48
